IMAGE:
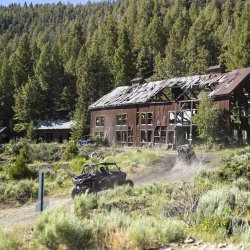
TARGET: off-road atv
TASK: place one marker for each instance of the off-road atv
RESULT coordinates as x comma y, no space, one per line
186,153
97,177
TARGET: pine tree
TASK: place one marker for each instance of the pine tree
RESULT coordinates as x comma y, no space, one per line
237,54
155,36
28,105
197,53
22,63
91,84
123,63
174,62
6,93
50,74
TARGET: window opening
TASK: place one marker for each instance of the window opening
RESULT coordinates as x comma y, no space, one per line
146,118
121,119
100,121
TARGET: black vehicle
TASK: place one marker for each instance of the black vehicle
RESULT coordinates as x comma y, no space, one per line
97,177
85,140
186,153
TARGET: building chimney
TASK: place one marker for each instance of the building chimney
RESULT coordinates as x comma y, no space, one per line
137,81
216,69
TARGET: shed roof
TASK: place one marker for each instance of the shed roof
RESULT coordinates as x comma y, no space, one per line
51,124
225,83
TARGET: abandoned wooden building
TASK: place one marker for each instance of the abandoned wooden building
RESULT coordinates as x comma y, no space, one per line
160,113
53,131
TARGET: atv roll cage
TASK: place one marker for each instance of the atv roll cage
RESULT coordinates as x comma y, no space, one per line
97,177
97,167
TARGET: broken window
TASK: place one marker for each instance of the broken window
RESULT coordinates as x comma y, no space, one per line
179,118
160,135
146,136
150,118
172,117
99,121
121,119
157,135
146,118
143,119
130,136
171,137
186,117
163,134
121,137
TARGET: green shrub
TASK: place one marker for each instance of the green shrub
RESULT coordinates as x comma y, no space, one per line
242,183
55,228
130,159
236,165
61,177
21,191
76,165
143,233
8,240
45,152
214,202
20,169
83,204
71,151
242,235
148,232
104,224
171,231
86,150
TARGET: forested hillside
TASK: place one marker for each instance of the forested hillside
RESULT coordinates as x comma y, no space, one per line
57,59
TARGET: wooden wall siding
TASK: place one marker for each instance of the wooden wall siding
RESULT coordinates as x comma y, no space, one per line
64,133
224,111
160,118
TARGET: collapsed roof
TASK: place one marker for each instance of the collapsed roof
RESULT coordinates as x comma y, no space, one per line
220,84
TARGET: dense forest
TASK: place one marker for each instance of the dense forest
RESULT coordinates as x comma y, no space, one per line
57,59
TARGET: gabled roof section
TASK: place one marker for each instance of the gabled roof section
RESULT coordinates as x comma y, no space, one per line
51,124
221,84
230,82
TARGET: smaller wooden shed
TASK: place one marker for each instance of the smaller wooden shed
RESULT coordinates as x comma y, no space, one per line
54,131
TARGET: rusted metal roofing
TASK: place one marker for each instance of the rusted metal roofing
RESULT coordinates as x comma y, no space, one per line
48,124
221,83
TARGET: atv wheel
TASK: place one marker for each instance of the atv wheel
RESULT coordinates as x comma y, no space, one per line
129,182
74,192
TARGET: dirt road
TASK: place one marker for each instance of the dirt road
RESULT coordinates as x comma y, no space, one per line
167,169
27,214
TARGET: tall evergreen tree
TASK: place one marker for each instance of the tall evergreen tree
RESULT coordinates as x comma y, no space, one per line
50,72
197,53
237,55
28,105
22,63
6,93
174,62
91,84
123,62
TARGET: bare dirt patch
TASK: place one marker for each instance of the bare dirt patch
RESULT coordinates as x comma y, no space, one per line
27,214
170,169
